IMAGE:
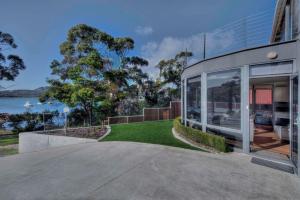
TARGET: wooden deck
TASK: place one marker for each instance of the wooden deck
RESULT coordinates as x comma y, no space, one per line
267,140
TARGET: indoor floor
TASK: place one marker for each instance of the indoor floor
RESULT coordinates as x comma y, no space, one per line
269,142
270,118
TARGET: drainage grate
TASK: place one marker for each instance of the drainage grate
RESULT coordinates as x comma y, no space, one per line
273,165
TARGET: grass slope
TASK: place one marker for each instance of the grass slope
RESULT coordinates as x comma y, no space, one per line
158,132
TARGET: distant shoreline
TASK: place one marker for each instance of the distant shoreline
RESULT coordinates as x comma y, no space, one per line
23,93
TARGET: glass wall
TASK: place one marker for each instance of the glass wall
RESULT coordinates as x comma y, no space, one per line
295,128
224,102
194,99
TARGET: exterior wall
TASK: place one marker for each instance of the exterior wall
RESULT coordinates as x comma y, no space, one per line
287,51
29,142
295,11
286,22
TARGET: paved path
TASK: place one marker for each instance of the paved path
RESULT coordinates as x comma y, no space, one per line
121,170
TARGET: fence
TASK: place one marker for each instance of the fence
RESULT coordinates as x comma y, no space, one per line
150,114
45,121
48,121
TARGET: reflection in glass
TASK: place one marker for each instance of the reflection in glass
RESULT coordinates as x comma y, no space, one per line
194,99
224,99
295,122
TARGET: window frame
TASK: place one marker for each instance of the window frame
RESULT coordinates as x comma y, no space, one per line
186,102
221,128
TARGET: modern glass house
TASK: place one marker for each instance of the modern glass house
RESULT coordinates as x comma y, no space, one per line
251,96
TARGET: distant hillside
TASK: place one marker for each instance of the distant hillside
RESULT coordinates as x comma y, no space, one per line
23,93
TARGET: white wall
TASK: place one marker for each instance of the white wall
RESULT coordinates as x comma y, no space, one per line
29,142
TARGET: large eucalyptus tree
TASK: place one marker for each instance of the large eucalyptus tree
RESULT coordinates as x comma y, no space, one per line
95,71
10,64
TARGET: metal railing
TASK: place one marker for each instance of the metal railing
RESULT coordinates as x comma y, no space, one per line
249,32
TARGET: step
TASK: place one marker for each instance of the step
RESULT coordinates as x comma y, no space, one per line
289,168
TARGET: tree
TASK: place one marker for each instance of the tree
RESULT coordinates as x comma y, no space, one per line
155,95
95,70
170,72
10,65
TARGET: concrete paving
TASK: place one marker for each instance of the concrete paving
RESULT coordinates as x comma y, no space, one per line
123,170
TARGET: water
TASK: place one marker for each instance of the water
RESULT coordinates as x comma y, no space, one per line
15,105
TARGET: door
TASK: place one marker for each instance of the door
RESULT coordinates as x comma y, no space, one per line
295,121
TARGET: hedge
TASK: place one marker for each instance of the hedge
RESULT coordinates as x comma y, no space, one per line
214,141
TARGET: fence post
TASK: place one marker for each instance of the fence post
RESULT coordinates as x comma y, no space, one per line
127,119
108,121
158,114
143,114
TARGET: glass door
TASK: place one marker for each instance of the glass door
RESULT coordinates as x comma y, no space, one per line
295,121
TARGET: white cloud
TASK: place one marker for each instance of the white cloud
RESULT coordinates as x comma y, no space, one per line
168,47
144,30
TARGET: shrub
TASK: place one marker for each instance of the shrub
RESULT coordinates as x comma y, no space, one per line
210,140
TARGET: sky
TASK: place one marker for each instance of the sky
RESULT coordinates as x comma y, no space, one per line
160,28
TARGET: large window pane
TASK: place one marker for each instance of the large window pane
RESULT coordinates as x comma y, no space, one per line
224,99
295,128
194,99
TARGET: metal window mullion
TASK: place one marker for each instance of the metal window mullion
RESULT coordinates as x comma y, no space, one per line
222,128
245,119
182,100
185,98
194,122
291,114
204,101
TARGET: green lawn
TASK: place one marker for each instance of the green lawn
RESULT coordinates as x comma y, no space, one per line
8,141
159,132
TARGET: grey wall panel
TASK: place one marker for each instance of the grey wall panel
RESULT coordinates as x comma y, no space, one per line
285,51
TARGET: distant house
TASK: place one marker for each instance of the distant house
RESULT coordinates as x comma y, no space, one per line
251,96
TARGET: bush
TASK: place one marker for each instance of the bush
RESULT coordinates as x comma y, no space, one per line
210,140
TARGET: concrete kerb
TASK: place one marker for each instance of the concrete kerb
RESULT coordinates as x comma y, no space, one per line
106,134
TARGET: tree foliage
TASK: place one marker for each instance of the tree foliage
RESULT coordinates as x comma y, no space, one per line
170,72
10,64
155,95
95,72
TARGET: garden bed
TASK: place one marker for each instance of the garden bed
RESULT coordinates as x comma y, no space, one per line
213,142
94,132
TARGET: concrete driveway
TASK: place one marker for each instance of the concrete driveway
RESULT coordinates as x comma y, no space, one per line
122,170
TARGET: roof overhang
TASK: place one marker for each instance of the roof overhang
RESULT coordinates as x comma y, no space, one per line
279,13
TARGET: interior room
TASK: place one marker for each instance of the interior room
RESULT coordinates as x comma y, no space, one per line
269,100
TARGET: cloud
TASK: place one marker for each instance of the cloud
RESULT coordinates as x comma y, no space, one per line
168,47
144,30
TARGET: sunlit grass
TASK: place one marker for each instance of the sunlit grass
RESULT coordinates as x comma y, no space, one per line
158,132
